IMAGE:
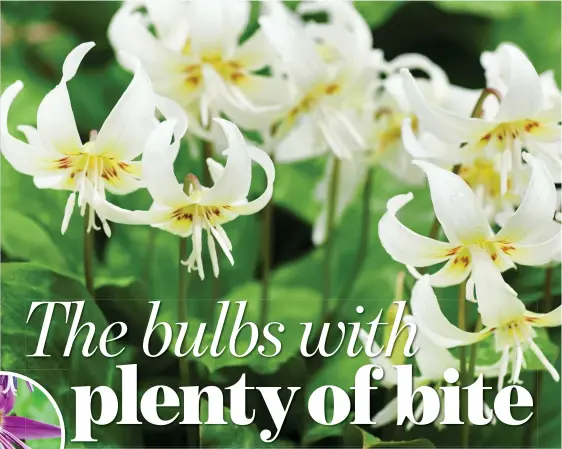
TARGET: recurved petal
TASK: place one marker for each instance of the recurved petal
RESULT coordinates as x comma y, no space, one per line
260,202
158,166
498,303
432,321
444,124
215,168
406,246
255,52
132,119
456,206
27,159
55,119
537,208
234,184
524,96
28,429
550,319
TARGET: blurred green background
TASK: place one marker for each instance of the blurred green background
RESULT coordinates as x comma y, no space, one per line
138,264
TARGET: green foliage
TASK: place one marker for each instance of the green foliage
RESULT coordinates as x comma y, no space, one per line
139,264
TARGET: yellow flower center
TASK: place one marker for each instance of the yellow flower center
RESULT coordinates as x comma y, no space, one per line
504,133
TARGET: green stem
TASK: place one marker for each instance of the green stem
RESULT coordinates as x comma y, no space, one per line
470,377
88,256
363,243
546,307
207,153
330,225
465,430
267,254
192,431
478,107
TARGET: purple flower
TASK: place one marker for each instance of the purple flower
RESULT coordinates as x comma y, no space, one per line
14,429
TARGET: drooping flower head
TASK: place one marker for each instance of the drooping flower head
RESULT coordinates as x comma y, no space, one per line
526,118
527,238
503,315
195,57
191,209
55,155
326,78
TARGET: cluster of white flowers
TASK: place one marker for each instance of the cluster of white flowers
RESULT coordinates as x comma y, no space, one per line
313,89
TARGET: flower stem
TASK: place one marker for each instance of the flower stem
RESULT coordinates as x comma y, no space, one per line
363,244
470,377
330,224
547,306
208,151
192,431
88,256
150,247
465,430
267,254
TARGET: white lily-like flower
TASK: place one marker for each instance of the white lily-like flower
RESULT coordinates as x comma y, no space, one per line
522,240
379,122
55,155
189,210
480,174
524,119
503,315
432,361
195,58
325,85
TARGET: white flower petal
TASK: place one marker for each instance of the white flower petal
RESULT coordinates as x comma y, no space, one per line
406,246
387,415
444,124
524,97
55,120
550,319
158,167
25,158
130,122
456,206
255,52
437,76
288,37
216,25
536,254
216,169
430,318
172,111
537,208
498,303
431,358
260,202
111,212
253,103
129,34
303,141
234,184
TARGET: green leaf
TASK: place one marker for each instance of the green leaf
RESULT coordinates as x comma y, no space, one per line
376,13
489,10
288,306
355,436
